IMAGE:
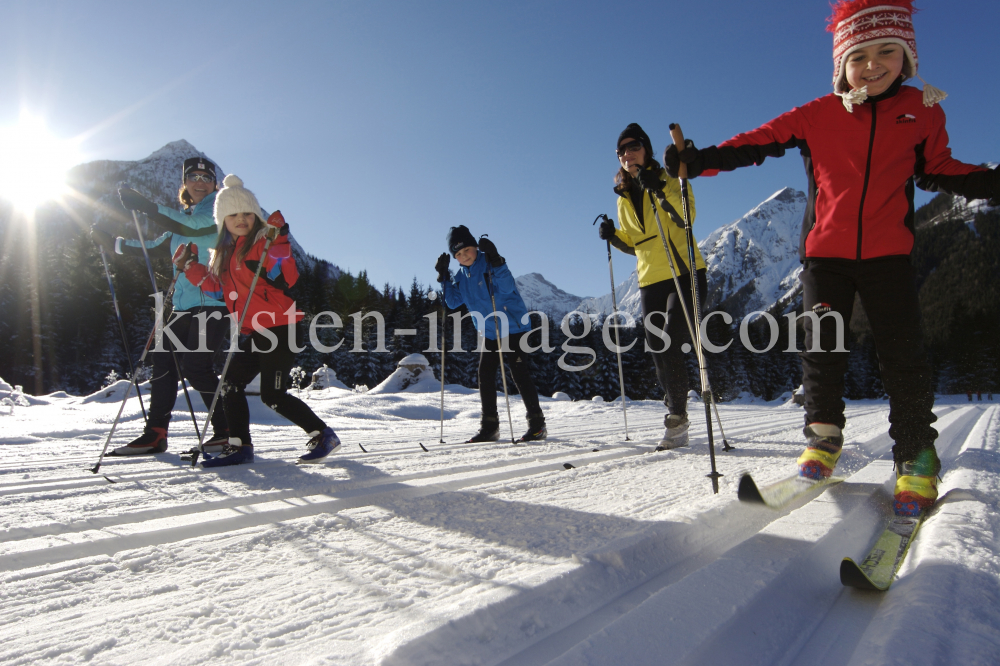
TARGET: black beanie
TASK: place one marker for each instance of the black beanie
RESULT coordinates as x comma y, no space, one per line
197,164
459,237
633,131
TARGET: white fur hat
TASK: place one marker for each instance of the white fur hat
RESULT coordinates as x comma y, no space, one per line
234,198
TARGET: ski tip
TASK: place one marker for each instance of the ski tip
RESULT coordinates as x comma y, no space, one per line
108,478
748,491
568,466
851,575
423,447
362,448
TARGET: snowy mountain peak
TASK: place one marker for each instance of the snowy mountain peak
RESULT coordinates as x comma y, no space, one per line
175,149
540,294
753,263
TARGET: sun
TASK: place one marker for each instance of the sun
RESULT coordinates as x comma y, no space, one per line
34,163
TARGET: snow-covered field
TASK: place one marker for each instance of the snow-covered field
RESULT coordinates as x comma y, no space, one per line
483,554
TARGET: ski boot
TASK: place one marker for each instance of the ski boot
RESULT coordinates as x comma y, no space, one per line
152,440
215,445
916,483
322,444
489,431
676,434
536,430
235,452
823,445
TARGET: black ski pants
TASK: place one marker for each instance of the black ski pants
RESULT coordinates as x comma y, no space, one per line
661,306
273,360
888,294
195,366
519,365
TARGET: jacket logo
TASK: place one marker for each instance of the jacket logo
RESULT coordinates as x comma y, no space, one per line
822,308
905,118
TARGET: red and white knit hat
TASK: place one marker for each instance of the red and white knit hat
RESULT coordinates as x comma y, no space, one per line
856,24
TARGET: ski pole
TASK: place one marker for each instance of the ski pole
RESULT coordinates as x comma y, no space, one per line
503,373
271,234
145,350
667,248
706,391
173,354
614,310
443,317
121,329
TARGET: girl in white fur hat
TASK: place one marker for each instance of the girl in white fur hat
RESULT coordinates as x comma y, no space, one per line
269,325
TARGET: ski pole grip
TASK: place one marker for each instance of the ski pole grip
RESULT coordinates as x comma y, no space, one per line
678,136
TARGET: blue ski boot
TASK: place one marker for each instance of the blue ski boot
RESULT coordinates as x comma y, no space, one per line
320,446
233,453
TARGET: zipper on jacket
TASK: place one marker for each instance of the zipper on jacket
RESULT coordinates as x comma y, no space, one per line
868,171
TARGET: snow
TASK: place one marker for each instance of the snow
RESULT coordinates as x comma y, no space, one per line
483,553
415,377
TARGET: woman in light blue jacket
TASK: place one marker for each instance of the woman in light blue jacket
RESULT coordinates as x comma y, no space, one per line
191,306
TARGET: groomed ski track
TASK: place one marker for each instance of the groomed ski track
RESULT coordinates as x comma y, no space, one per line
483,554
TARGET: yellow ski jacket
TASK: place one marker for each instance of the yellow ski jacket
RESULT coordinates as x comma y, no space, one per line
644,238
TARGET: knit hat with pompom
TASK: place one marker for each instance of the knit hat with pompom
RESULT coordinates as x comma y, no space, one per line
233,198
856,24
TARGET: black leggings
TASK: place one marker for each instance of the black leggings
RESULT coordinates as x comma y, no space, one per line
889,295
273,366
196,366
519,365
660,299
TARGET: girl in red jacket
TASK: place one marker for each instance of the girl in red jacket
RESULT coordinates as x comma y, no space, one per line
865,147
268,332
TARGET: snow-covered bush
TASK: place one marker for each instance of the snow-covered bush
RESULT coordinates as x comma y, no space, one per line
560,396
110,379
14,398
296,376
143,373
361,388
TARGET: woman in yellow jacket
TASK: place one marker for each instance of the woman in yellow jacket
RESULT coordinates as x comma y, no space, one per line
639,235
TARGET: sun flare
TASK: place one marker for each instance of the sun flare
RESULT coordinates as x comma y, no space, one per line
34,164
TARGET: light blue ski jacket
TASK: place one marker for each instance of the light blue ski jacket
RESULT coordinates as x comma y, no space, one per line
201,218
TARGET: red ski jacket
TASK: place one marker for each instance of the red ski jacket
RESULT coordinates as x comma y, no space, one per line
270,299
862,167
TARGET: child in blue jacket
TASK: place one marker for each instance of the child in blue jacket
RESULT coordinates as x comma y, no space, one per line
484,272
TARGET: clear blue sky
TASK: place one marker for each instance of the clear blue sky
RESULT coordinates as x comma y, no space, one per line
374,126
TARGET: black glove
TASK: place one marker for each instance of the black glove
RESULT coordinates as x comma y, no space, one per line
490,250
103,238
132,200
649,179
607,230
690,156
442,267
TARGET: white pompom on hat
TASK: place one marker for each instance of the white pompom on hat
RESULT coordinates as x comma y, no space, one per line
233,198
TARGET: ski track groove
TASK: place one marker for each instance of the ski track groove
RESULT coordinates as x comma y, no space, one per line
825,629
837,622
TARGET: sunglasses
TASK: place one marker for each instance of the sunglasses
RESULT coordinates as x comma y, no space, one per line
203,177
630,147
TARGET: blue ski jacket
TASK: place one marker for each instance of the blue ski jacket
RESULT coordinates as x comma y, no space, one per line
471,286
201,219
